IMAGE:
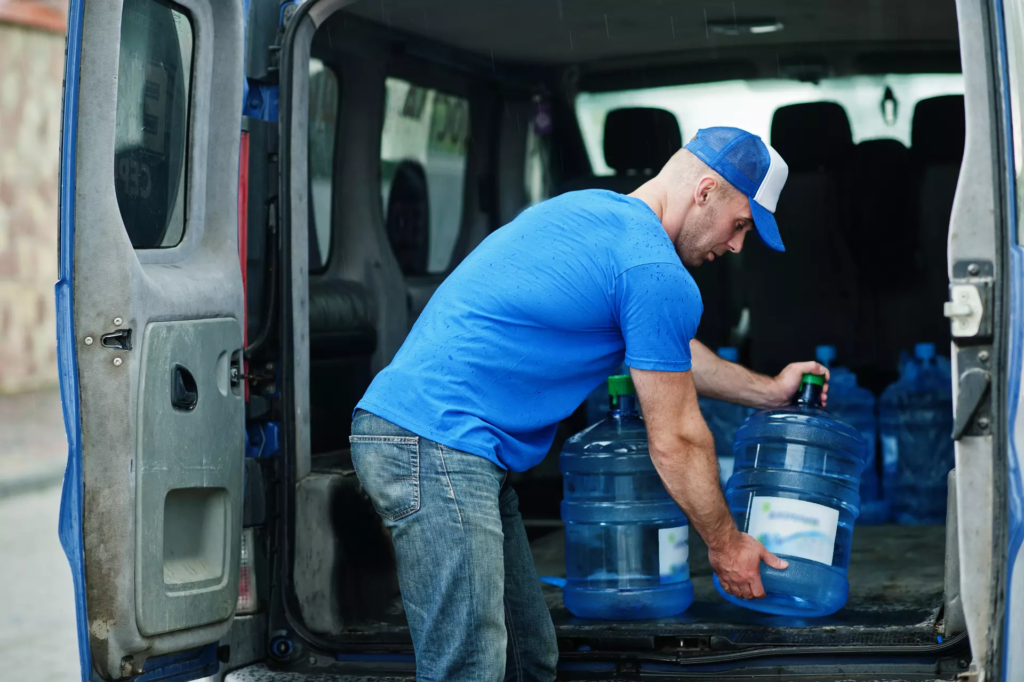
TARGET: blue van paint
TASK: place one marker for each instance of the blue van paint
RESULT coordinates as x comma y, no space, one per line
70,521
181,666
1015,478
1015,473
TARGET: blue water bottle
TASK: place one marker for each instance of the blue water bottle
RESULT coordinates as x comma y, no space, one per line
795,489
916,419
626,540
723,419
856,406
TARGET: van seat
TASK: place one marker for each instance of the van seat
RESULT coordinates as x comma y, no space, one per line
638,141
936,152
808,295
881,229
339,319
342,339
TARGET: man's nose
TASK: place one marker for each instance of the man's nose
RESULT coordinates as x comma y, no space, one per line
736,243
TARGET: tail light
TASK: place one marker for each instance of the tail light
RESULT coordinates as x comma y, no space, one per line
247,575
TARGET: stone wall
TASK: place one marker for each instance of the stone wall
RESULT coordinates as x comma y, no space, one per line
31,74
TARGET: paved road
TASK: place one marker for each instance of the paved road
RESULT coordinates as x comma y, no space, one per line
33,447
38,640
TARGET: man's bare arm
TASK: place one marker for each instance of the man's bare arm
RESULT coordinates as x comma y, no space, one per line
723,380
683,452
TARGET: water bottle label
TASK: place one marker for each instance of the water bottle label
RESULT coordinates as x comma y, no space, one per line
674,554
725,467
794,527
890,454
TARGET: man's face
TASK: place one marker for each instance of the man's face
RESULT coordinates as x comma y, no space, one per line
717,227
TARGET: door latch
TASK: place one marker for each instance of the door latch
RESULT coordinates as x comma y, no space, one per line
120,339
969,308
965,311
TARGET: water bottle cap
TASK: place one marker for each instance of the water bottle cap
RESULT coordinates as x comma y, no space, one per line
729,353
621,384
924,351
825,354
816,379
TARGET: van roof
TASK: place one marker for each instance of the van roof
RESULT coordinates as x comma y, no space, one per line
583,32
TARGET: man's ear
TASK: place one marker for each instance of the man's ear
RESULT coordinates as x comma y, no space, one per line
702,192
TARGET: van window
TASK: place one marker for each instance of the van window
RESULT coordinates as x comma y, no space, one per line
423,174
323,125
750,104
153,90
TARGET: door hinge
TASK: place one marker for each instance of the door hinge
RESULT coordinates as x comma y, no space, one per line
262,380
973,410
974,385
969,308
970,675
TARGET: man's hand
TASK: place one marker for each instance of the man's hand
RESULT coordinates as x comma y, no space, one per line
787,383
737,561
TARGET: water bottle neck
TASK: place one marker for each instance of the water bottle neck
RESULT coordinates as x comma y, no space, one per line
622,405
809,395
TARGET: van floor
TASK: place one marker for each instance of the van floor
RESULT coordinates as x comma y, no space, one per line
896,592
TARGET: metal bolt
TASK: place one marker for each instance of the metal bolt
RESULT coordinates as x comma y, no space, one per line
117,362
312,660
983,422
983,356
88,340
962,663
118,321
973,269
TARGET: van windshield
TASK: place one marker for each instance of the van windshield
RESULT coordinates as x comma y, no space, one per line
877,106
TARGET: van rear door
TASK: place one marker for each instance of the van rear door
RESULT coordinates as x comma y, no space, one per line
985,310
150,308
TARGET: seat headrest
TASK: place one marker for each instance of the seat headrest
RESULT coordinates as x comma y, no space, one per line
880,154
938,130
640,139
879,214
812,136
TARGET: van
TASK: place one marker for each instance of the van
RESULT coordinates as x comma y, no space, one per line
258,199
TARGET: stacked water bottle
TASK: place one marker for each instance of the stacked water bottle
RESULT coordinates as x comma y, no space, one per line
796,478
915,416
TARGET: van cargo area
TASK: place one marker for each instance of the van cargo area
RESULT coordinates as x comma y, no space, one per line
893,603
432,124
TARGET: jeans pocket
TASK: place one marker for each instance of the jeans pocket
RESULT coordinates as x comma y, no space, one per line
389,470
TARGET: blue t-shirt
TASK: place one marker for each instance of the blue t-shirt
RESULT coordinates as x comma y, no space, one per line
533,320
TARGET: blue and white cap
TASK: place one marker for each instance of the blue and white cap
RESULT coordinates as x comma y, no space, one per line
752,167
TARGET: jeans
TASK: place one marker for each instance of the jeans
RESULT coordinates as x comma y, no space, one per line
470,589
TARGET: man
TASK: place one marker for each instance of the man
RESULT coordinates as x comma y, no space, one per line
512,342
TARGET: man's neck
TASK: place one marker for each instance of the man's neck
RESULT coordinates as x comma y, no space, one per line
655,195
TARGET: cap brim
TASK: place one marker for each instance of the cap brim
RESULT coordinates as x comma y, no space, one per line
764,221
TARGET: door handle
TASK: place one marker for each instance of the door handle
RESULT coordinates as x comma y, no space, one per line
184,392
